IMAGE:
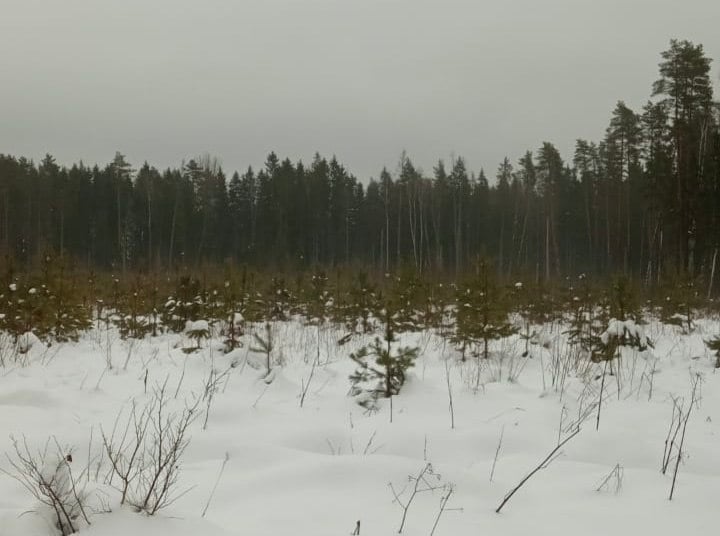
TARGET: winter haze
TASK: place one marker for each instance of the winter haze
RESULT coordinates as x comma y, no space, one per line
165,80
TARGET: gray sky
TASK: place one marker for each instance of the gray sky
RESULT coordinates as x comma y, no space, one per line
165,80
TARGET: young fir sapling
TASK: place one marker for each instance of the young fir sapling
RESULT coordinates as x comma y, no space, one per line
679,305
481,314
386,376
197,330
265,345
232,307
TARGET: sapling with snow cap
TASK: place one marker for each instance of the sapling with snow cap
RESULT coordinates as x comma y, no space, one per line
679,304
197,330
185,304
618,334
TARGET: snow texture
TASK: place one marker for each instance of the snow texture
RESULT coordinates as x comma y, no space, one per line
318,469
197,325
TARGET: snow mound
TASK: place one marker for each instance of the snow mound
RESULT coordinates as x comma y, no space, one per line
197,325
27,341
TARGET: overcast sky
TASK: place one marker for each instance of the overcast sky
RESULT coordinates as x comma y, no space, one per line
165,80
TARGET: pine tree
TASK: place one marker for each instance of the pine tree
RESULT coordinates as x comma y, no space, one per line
686,91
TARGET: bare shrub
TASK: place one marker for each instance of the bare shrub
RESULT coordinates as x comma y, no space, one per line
427,480
47,475
146,452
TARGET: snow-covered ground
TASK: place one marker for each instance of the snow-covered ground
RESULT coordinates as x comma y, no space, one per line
318,469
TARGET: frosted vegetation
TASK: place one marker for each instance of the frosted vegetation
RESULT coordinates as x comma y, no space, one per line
353,405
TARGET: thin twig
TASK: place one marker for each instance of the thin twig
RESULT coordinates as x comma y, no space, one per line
542,465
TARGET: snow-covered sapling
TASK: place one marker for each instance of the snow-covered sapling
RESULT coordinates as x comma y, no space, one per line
134,313
679,306
235,330
618,334
232,306
197,331
185,305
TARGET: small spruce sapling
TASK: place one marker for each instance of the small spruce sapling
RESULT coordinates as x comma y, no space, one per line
621,332
390,363
482,312
278,300
232,311
622,328
66,315
678,307
197,331
359,304
522,309
131,319
586,324
186,304
318,303
265,345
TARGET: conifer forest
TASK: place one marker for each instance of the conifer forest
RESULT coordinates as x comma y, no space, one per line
643,201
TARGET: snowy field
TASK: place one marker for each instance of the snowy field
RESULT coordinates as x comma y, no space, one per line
320,468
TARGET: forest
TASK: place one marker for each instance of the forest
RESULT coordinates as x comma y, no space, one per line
297,349
643,202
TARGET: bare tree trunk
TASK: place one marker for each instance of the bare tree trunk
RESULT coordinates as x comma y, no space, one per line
399,226
712,274
387,232
120,233
149,225
6,225
62,230
547,248
608,258
421,208
659,258
458,232
412,218
172,229
347,237
501,260
435,225
523,232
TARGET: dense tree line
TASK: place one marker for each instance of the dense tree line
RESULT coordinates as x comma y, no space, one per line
643,201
